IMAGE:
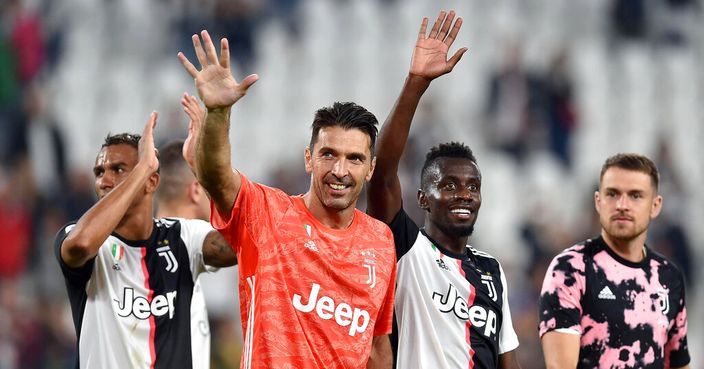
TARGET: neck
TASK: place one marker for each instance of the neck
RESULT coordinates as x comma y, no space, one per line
331,218
457,245
176,211
632,250
137,224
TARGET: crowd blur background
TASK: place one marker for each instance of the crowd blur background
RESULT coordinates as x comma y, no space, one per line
548,90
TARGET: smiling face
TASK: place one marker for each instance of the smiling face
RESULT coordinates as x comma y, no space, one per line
451,195
626,202
339,162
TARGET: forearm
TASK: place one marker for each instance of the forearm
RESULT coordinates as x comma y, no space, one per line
91,230
381,356
213,163
394,132
384,191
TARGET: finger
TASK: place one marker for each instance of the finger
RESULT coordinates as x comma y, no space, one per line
194,102
446,25
210,51
248,81
190,68
423,28
456,58
436,25
224,54
151,123
200,53
453,33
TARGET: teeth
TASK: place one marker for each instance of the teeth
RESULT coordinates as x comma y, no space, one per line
461,211
336,186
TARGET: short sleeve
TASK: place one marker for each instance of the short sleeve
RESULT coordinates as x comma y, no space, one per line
193,234
508,340
384,320
77,277
405,233
676,350
252,222
560,297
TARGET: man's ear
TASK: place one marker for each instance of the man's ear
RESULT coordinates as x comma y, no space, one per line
308,158
195,192
152,183
597,199
657,207
369,175
422,200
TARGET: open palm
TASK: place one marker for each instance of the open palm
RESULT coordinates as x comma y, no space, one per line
430,55
196,116
215,84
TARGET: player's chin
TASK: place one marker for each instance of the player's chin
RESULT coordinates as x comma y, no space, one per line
338,203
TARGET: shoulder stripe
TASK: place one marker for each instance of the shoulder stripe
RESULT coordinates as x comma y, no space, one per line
480,253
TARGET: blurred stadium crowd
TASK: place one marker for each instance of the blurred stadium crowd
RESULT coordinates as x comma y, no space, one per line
549,89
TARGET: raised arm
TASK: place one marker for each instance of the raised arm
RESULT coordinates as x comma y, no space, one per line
218,90
196,116
91,230
429,61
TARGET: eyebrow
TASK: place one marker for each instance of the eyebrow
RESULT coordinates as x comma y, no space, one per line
110,165
354,154
614,189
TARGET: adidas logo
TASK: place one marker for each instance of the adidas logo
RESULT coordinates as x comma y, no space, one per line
606,294
311,245
442,264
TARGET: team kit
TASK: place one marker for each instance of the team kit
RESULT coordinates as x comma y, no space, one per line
323,284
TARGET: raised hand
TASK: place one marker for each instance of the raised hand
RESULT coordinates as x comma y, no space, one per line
148,155
430,55
215,84
196,116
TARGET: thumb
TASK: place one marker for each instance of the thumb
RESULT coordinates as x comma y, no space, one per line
456,58
248,81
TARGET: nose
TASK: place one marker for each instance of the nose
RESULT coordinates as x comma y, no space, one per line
106,181
463,193
622,202
340,168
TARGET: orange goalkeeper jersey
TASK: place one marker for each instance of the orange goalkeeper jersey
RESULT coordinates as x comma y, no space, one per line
310,296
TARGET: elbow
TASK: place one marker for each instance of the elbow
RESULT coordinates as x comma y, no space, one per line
75,252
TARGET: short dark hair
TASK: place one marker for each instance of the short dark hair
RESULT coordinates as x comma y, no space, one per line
122,138
444,150
635,162
346,115
173,169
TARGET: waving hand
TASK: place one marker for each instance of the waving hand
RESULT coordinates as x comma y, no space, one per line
216,86
196,116
430,54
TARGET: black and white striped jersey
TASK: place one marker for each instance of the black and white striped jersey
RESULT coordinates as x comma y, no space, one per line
138,304
451,310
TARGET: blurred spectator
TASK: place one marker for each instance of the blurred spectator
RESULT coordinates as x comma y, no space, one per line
560,108
629,20
513,107
15,226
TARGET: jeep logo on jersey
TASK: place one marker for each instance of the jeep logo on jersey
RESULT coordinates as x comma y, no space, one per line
140,306
171,263
477,315
326,308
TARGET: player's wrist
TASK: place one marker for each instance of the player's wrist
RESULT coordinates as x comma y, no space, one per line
417,83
